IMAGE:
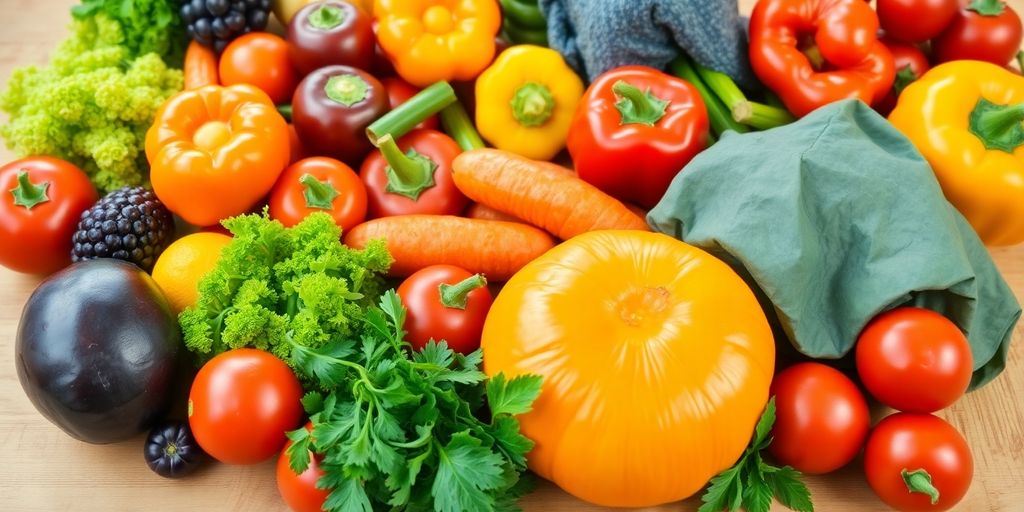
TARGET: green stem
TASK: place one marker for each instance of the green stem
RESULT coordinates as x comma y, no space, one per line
721,85
760,116
636,106
524,14
326,17
285,111
524,35
318,194
459,126
987,7
721,119
29,194
404,117
920,481
532,104
1020,61
346,89
456,295
409,174
998,126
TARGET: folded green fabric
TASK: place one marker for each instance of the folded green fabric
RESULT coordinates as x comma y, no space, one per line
834,219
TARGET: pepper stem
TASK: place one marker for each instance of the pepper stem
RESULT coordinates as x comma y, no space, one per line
28,194
920,481
638,107
409,174
532,104
326,17
998,126
457,124
456,295
404,117
987,7
347,89
318,194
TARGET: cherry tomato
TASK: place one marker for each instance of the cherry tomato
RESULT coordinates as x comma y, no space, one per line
905,449
241,404
915,21
381,177
914,360
910,62
399,91
260,59
318,184
330,32
821,418
299,492
448,303
43,199
987,30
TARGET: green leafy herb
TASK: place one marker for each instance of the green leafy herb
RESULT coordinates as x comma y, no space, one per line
148,26
751,483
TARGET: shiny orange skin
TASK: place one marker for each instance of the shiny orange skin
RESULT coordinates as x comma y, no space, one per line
288,204
656,361
38,240
299,492
205,185
918,441
428,317
914,360
260,59
241,404
821,418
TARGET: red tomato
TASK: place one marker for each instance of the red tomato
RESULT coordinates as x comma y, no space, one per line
241,404
43,199
441,198
299,492
910,62
914,360
992,35
918,444
318,184
399,91
455,315
821,418
915,21
260,59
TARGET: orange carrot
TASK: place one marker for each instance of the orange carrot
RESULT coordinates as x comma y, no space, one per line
484,212
494,248
540,193
200,66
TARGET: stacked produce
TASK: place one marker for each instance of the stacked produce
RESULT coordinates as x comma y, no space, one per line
404,247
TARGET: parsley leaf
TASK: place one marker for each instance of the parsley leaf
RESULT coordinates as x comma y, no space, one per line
312,402
514,396
466,469
298,452
789,490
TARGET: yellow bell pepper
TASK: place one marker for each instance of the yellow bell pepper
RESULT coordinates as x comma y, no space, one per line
433,40
526,100
967,119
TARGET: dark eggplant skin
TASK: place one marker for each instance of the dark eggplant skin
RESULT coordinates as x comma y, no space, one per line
171,451
97,350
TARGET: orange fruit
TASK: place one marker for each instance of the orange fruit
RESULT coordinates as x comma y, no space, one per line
183,263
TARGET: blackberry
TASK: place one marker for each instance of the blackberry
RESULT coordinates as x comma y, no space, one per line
128,224
215,23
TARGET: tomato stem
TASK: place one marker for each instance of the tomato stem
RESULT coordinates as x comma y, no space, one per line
636,106
987,7
285,111
410,173
920,481
404,117
720,117
904,77
760,116
456,295
318,194
326,17
457,124
532,104
998,126
29,194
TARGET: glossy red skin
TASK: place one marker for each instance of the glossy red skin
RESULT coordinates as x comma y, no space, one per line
399,91
443,198
914,360
428,318
299,492
296,151
241,404
903,55
260,59
38,240
821,418
915,21
636,162
329,128
288,202
351,43
971,36
917,441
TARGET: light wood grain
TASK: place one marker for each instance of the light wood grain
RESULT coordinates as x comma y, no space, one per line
42,470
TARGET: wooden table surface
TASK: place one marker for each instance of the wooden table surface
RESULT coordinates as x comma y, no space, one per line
43,470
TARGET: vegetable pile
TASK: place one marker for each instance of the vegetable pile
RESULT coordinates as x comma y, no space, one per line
408,250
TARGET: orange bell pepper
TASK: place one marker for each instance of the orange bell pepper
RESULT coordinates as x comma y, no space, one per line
433,40
215,152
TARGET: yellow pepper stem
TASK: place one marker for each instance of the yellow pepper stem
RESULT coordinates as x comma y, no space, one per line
532,104
998,126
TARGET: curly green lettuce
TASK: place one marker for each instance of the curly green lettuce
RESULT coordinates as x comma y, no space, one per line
147,26
273,284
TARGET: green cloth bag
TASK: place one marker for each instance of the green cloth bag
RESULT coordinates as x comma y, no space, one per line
833,220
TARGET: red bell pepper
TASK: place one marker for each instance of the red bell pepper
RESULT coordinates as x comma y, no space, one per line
814,52
634,130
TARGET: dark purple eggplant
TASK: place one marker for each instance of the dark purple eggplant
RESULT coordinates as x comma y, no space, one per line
97,350
171,451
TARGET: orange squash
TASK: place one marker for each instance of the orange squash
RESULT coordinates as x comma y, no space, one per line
656,360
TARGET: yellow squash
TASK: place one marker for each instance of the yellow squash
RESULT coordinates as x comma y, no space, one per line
656,360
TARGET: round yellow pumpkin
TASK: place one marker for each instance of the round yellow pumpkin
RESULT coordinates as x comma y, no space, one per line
656,360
